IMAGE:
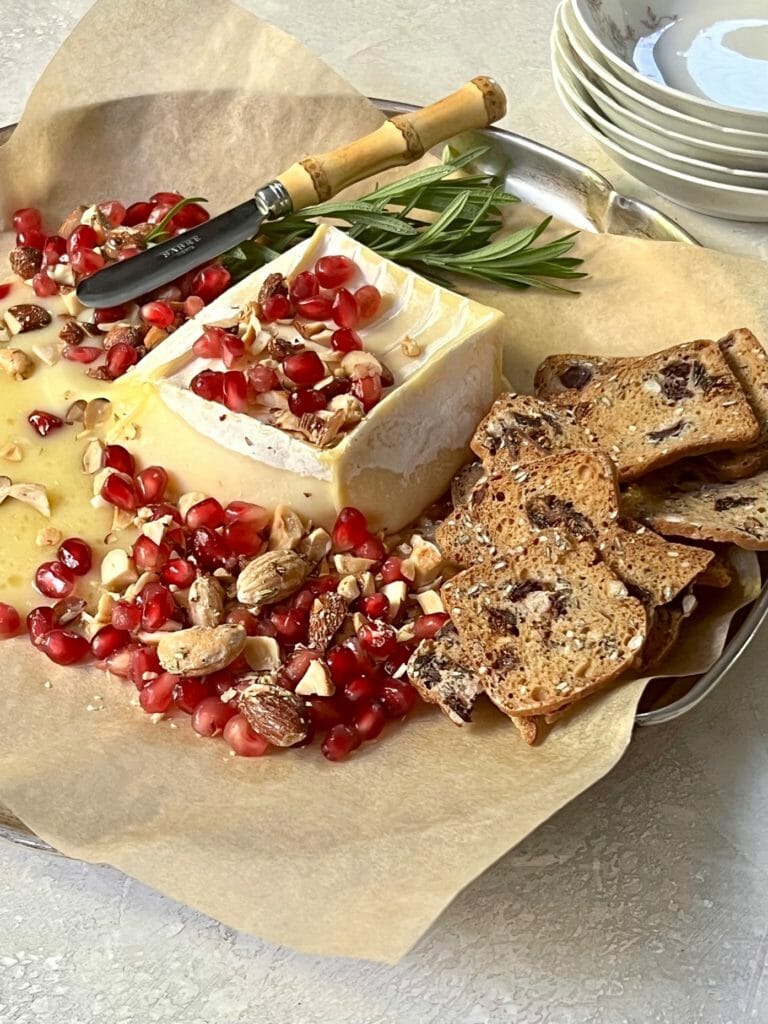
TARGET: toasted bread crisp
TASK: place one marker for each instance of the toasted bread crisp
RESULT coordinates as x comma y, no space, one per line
520,429
650,412
442,676
568,372
733,513
749,362
546,627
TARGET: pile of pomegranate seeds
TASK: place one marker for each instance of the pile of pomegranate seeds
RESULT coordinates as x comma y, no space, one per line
110,341
261,629
318,383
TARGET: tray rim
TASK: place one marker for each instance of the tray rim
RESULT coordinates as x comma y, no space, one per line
668,230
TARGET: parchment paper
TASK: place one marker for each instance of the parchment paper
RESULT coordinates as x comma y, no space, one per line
359,858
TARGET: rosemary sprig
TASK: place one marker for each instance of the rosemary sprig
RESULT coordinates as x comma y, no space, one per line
434,223
158,233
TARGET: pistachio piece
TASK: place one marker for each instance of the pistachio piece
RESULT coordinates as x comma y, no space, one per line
201,649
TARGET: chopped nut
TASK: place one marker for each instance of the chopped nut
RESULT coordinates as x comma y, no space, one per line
25,260
349,565
430,602
76,412
272,400
62,273
155,528
11,452
360,364
351,408
122,335
427,561
287,529
48,354
367,584
206,601
271,577
71,221
117,239
97,412
316,681
93,457
262,653
27,316
405,633
410,347
200,650
117,570
186,501
527,727
72,334
321,428
48,537
325,619
16,363
30,494
396,594
316,545
72,304
154,337
104,608
358,621
348,589
273,712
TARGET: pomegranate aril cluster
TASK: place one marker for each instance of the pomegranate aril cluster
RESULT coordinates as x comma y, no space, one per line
302,351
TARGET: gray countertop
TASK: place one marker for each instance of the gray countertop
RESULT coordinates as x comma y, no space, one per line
644,901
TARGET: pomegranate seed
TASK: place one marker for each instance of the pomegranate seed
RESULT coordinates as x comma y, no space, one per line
10,621
371,548
190,216
304,286
429,625
158,314
368,719
349,530
344,311
54,579
235,390
120,358
398,697
210,716
392,570
76,555
83,237
209,549
376,606
304,599
157,696
126,616
148,555
151,484
338,386
306,400
304,368
113,211
262,378
326,712
233,350
368,300
334,271
110,314
171,198
120,491
398,657
116,457
242,617
44,422
55,247
360,688
137,213
210,282
164,509
119,662
317,307
63,646
28,218
108,640
246,511
39,622
342,664
378,638
298,664
159,212
85,261
244,537
34,239
368,391
339,741
324,584
207,512
243,740
209,344
81,353
5,289
43,285
365,664
193,305
145,666
189,693
277,307
346,340
179,573
208,384
157,606
291,625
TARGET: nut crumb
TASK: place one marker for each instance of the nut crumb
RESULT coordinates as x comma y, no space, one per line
410,347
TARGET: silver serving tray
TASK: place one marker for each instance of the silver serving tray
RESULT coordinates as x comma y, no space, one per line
558,185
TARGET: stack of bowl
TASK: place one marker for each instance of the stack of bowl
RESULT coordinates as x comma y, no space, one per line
677,93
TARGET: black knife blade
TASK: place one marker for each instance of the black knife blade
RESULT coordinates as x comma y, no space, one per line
168,260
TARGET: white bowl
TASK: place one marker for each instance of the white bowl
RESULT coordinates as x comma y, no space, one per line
630,130
706,58
646,151
601,76
728,201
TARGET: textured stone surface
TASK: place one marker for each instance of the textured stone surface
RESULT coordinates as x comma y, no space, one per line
644,902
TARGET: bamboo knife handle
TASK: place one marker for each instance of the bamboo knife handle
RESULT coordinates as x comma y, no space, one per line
400,140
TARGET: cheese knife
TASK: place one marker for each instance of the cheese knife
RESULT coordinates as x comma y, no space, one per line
315,179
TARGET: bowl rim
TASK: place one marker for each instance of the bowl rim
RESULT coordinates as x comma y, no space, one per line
664,153
603,72
563,67
677,175
662,88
